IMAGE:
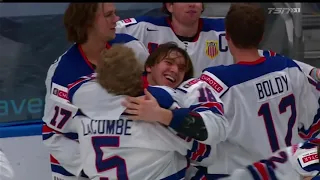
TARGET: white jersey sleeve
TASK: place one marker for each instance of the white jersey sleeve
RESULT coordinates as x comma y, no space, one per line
309,102
58,131
199,97
58,109
306,68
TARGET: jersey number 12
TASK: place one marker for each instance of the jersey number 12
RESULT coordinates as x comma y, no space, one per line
265,112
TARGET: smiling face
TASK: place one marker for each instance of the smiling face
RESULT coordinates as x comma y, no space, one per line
169,71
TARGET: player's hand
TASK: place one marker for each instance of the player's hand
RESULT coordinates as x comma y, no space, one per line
315,74
146,108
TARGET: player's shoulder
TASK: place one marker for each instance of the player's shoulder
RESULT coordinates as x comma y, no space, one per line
71,54
283,59
235,74
164,95
279,62
63,69
213,24
68,59
158,21
122,38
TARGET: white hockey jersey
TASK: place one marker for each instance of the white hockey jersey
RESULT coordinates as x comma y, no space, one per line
118,148
209,48
64,74
265,102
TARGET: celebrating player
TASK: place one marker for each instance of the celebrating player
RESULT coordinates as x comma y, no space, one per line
203,38
91,26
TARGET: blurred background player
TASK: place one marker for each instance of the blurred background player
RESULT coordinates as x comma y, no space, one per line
91,27
203,38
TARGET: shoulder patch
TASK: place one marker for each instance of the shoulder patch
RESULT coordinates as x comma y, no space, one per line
309,157
126,22
214,82
59,93
188,85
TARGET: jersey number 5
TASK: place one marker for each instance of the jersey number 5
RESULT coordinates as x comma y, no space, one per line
111,162
265,112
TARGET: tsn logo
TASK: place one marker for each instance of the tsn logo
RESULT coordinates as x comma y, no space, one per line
283,10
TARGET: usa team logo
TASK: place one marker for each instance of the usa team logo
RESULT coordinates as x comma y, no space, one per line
212,49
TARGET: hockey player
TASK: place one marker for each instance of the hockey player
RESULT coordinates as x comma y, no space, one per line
203,38
267,103
91,27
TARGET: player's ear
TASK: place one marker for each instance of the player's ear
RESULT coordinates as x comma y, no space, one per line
169,7
148,69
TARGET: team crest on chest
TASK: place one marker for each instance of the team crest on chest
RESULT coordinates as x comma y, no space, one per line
212,49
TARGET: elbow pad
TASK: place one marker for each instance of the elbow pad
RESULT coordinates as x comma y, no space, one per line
193,126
